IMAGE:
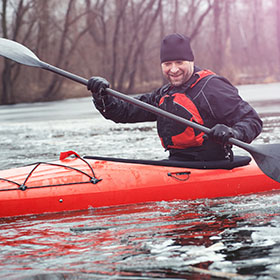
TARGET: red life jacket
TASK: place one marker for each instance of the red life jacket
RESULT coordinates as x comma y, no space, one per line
178,136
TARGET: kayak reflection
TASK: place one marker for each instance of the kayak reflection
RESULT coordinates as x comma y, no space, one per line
145,240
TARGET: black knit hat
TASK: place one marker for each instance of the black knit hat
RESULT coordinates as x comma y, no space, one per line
176,47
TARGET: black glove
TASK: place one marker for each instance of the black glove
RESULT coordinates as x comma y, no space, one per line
97,86
221,133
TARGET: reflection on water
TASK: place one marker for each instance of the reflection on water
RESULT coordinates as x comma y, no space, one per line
230,238
180,239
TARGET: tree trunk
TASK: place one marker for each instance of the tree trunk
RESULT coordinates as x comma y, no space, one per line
278,30
147,29
6,93
218,40
120,10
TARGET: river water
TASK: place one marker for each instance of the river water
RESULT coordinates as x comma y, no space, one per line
228,238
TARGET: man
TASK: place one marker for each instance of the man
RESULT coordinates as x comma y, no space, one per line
198,95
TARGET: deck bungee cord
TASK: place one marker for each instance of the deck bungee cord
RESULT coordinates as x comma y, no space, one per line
63,155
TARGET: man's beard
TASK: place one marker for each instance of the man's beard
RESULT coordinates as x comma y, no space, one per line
178,82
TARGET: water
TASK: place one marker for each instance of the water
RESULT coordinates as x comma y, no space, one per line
229,238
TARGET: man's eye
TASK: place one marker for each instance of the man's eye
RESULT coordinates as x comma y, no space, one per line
167,64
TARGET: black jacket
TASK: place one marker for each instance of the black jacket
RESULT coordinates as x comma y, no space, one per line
217,101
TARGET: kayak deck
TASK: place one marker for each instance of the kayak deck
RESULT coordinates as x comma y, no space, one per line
85,183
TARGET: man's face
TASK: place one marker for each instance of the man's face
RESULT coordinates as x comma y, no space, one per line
177,72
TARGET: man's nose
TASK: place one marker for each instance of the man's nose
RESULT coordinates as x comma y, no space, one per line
174,68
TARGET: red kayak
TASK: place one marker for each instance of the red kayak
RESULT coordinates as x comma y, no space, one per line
86,183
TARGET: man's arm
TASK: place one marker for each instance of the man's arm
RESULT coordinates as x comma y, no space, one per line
118,110
231,110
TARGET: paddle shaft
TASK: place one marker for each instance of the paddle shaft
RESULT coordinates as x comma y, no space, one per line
141,104
21,54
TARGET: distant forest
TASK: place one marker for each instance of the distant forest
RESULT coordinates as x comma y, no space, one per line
120,39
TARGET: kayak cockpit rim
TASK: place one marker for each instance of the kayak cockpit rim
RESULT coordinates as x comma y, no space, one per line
237,161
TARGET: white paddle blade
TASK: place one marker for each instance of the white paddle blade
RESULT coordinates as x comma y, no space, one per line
19,53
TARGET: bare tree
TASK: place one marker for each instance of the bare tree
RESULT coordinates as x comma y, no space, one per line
218,36
15,29
120,40
196,13
61,58
143,19
69,37
277,3
6,94
120,10
97,23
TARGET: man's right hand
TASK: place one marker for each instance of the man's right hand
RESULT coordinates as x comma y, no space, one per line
97,86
